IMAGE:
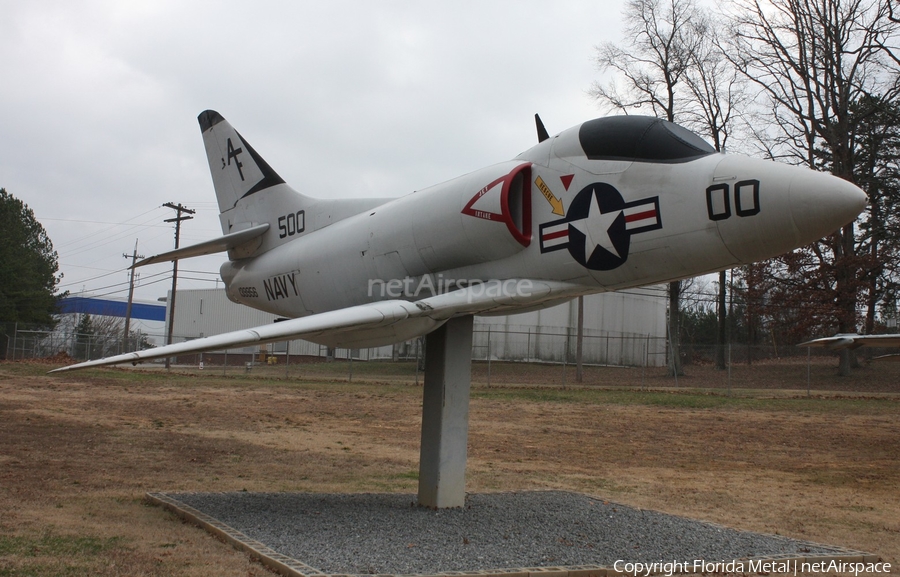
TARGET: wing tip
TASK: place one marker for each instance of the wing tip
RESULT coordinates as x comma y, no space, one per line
59,370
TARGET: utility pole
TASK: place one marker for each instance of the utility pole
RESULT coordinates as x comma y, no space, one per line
177,220
134,256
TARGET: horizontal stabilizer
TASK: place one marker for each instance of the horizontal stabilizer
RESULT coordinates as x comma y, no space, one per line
384,322
221,244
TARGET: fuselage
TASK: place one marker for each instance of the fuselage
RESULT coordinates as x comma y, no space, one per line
613,203
605,205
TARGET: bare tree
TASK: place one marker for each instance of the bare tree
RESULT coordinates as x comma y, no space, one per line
716,91
812,60
655,59
672,65
716,87
878,172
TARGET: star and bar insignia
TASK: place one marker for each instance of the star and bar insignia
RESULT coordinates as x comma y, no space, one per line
598,226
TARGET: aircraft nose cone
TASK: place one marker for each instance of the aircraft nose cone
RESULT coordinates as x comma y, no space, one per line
764,208
821,203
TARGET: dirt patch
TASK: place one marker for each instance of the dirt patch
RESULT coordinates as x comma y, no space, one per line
78,452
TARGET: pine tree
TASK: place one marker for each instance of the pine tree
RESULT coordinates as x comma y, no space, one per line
29,271
84,337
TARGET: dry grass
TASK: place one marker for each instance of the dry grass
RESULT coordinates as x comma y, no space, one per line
78,452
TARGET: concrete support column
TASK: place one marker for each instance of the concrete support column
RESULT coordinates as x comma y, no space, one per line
445,414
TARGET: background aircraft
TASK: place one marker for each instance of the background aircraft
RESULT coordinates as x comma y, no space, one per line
854,341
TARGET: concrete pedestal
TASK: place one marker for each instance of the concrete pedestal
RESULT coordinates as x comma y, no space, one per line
445,415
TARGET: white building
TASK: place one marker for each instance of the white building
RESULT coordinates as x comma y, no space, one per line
621,328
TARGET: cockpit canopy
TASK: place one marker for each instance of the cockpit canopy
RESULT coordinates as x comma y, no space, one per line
640,139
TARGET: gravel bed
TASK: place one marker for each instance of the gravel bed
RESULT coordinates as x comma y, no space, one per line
387,533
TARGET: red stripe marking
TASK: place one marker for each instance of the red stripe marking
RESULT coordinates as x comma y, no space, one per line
640,215
554,235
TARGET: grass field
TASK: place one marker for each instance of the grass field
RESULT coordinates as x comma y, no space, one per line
791,373
79,451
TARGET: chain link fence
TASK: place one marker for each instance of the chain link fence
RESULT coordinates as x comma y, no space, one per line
507,355
19,341
506,343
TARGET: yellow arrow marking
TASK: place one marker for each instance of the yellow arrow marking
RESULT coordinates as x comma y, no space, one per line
555,203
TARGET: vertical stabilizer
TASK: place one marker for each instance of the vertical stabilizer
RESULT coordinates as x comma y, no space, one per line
237,170
251,193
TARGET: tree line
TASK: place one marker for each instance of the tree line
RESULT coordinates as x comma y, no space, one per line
809,82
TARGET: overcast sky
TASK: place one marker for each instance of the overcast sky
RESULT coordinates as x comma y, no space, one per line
99,102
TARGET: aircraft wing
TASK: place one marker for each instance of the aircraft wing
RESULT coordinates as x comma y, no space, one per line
394,320
221,244
854,341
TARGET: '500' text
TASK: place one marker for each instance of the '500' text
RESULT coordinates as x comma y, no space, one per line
291,224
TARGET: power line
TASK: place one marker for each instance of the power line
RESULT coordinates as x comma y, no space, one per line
104,222
107,229
120,291
89,279
120,283
115,237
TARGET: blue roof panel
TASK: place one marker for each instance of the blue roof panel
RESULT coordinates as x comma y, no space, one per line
92,306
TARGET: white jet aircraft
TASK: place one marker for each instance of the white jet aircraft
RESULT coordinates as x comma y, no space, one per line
610,204
854,341
613,203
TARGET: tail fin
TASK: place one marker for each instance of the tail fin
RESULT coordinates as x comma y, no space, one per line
251,193
238,171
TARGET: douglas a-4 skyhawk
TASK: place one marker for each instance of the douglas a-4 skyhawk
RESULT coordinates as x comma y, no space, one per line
613,203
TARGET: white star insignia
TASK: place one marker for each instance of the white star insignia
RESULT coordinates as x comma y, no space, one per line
595,228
